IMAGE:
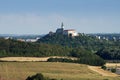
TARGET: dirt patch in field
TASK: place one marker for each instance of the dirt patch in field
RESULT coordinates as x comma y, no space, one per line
23,59
102,72
113,64
31,58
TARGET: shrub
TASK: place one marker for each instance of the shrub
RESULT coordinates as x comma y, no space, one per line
60,60
105,79
38,76
113,70
104,67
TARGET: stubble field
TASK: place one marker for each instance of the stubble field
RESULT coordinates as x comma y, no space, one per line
65,71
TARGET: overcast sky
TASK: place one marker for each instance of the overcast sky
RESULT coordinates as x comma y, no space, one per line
42,16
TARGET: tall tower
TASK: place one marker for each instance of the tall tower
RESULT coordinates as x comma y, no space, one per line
62,25
60,30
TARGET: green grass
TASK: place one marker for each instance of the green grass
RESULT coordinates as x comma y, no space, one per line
66,71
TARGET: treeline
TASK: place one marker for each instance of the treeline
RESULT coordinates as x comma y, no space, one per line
85,41
16,48
84,57
106,49
109,53
92,60
87,57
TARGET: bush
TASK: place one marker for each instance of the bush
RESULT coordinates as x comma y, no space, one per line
92,60
104,67
60,60
38,76
113,70
105,79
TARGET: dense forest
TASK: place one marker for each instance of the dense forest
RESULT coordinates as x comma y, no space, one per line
88,49
16,48
85,41
107,49
109,53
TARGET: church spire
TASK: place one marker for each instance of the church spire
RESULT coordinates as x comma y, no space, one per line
62,25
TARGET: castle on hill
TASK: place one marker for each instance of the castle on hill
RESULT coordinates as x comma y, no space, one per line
68,32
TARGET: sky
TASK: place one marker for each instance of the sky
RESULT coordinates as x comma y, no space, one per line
42,16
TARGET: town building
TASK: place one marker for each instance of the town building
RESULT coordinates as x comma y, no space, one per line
69,32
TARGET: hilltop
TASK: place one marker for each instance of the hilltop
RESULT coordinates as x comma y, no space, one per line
107,49
85,41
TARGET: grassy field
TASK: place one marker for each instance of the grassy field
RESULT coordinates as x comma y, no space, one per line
66,71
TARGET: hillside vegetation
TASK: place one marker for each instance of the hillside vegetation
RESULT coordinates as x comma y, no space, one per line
87,42
12,48
107,49
88,49
16,48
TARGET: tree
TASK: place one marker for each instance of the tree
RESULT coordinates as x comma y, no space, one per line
38,76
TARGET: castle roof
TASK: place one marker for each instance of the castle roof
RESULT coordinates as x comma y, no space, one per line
70,30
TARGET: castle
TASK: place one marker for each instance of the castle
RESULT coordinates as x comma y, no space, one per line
69,32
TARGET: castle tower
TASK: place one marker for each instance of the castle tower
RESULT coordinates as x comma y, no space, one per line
60,30
62,25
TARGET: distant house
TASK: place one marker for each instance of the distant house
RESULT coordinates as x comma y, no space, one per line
22,40
69,32
32,40
28,40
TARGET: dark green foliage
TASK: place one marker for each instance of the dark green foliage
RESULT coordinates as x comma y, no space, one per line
110,53
104,67
38,76
60,45
17,48
113,70
94,61
105,79
61,60
107,49
80,52
86,57
85,41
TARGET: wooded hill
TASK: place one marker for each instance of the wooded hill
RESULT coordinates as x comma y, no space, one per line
85,41
16,48
106,49
86,48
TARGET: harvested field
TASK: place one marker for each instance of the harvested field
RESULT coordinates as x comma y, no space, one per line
101,71
65,71
113,64
31,58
